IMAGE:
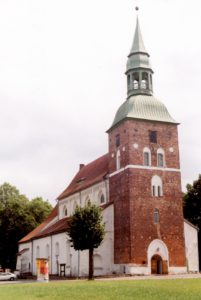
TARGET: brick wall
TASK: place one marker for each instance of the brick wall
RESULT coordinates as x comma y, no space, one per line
131,192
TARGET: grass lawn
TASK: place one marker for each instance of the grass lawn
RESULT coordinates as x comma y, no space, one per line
184,289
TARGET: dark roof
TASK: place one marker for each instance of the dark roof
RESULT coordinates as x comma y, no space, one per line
22,251
57,227
89,174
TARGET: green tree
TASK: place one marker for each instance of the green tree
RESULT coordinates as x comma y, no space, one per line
39,209
192,207
86,230
18,216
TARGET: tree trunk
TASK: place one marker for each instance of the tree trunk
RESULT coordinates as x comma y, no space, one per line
91,264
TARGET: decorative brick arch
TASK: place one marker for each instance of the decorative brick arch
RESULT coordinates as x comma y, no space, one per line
158,248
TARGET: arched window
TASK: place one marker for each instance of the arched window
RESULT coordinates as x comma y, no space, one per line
65,211
151,81
118,160
156,216
156,186
102,199
144,82
74,205
129,81
47,251
57,249
160,158
147,156
135,79
87,200
37,252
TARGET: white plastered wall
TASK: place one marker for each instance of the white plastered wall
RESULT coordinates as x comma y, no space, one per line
191,245
92,193
76,263
24,261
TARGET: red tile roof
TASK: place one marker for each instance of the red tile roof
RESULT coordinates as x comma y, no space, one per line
57,227
90,174
39,228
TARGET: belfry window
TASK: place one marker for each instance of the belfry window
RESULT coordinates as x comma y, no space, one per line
144,82
156,186
129,81
135,78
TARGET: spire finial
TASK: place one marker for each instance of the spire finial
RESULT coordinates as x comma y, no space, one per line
137,6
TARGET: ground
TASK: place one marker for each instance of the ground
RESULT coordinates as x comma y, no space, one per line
129,289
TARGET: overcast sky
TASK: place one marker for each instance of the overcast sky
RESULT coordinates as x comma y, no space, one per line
62,80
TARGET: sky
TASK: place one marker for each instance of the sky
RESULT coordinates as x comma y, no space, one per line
62,66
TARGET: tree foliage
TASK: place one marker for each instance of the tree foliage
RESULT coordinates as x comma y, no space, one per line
18,216
192,202
192,207
86,230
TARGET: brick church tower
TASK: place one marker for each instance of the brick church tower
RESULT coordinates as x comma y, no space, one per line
145,180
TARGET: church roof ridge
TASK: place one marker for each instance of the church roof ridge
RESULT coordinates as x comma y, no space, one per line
88,175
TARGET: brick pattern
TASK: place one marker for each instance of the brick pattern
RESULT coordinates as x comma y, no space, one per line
130,190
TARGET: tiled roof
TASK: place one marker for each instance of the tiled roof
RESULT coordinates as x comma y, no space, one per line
89,174
57,227
39,228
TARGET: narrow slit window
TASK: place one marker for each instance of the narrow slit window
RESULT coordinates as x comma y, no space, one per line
156,216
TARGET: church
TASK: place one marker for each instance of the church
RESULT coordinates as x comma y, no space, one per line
137,183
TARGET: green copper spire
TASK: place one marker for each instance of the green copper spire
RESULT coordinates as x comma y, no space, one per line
139,71
140,103
138,44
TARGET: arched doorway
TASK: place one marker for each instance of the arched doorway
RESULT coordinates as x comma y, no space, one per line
156,264
158,257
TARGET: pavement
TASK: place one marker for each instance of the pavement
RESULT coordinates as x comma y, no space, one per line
155,277
143,277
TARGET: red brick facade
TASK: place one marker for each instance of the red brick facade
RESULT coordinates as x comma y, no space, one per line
131,192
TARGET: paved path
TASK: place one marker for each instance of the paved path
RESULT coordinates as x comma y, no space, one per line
148,277
155,277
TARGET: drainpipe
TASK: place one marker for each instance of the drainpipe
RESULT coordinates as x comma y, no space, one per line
32,256
78,256
51,254
78,267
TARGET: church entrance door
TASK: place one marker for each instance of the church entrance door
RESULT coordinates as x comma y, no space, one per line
157,265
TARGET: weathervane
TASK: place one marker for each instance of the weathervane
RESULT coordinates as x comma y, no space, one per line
137,6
